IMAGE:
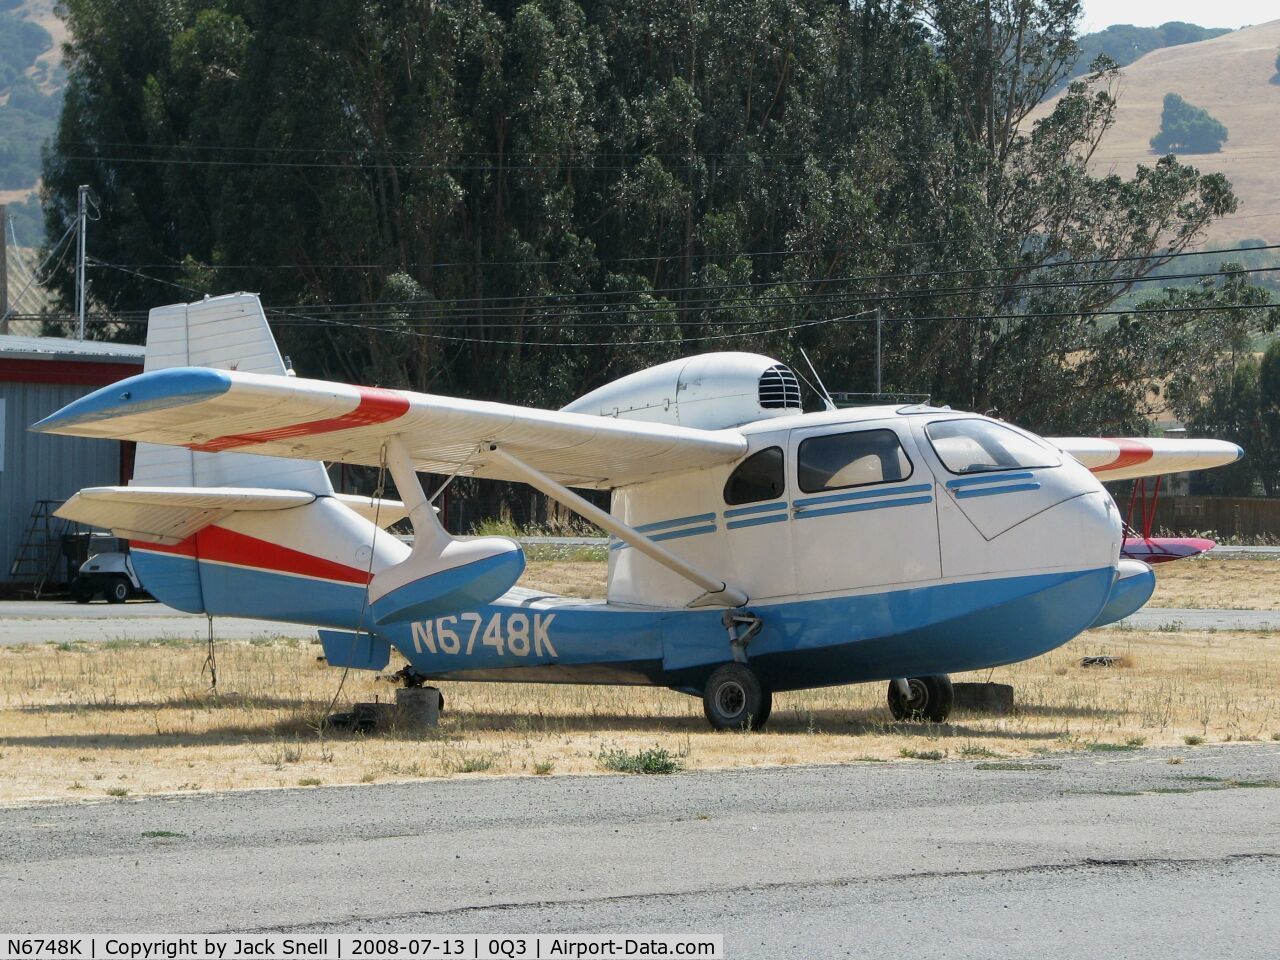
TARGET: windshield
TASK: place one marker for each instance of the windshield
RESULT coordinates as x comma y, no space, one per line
980,446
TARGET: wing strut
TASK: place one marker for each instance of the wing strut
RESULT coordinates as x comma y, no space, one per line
718,592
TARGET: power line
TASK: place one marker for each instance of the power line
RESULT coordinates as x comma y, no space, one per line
296,321
40,269
509,300
501,154
576,313
445,317
503,305
504,167
675,255
762,333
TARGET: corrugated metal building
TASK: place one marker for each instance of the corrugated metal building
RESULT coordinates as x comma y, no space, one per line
38,375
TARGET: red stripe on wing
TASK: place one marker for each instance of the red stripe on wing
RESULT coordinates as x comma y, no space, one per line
227,546
376,406
1129,453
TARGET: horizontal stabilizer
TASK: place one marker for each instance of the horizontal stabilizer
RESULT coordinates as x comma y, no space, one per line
382,512
169,515
1117,458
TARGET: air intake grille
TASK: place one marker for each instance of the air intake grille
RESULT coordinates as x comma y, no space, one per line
779,389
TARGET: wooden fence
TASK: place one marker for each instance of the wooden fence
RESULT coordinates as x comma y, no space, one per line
1249,518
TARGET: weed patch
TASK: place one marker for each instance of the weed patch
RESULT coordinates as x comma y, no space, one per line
654,760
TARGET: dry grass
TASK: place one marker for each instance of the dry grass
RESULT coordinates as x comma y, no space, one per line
101,721
1204,582
567,578
97,721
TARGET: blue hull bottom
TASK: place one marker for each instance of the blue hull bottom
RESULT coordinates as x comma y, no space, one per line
917,631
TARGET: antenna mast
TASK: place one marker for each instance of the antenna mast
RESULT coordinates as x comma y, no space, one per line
826,396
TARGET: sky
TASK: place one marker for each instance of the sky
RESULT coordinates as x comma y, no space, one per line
1099,14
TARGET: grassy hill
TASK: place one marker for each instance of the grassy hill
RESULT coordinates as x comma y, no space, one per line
1124,43
31,82
1233,77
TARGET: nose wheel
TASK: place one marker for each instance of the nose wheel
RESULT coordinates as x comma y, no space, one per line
734,699
924,698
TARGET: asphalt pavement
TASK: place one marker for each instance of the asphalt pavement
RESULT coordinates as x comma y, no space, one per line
62,621
1081,855
1181,618
59,621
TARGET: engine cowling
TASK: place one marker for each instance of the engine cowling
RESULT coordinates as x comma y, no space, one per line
711,392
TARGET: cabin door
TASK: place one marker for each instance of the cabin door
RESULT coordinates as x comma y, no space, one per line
863,510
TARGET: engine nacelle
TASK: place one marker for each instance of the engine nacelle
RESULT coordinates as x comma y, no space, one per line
711,392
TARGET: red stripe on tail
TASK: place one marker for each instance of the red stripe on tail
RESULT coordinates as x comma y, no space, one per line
227,546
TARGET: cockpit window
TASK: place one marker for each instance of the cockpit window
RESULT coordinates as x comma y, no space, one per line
759,477
852,460
980,446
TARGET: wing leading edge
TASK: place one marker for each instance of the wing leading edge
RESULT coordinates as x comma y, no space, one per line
215,410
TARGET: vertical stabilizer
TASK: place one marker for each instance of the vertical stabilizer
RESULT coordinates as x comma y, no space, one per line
227,333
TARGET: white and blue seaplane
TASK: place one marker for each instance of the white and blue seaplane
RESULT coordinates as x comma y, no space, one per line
755,548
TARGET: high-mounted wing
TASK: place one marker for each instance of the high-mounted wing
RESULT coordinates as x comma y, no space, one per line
1114,458
215,410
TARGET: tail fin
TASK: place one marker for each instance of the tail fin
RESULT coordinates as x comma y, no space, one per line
229,333
255,536
238,534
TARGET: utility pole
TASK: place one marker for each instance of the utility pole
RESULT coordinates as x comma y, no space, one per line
4,269
879,366
81,219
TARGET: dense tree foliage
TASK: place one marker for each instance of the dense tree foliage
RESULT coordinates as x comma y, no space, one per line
523,198
1244,405
1186,128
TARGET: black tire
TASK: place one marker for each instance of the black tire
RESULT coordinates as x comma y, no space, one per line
117,590
81,590
931,699
766,707
733,698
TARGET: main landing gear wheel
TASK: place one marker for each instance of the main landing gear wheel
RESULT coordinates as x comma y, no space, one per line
734,699
117,590
931,699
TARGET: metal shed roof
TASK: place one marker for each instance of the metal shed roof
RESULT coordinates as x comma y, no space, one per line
62,348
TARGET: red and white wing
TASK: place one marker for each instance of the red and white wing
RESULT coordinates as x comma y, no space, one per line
216,410
1117,458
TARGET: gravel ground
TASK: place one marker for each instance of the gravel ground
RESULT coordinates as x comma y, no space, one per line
1117,854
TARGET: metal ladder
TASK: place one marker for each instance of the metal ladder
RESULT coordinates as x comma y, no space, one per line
40,549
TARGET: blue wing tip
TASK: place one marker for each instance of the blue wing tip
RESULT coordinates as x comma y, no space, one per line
155,390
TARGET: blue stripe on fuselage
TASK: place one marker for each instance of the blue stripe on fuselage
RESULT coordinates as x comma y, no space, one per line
988,476
804,514
878,491
913,631
965,494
